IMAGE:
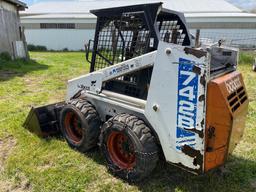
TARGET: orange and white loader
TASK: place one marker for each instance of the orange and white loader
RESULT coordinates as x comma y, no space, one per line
149,92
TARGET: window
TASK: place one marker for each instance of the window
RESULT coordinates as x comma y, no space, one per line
57,25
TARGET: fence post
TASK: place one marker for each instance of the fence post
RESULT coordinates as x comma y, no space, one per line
197,41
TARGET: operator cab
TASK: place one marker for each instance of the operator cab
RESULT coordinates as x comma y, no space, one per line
124,33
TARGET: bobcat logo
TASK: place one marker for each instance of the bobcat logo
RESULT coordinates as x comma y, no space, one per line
233,84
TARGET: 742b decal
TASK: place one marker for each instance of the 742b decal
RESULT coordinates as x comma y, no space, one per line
186,104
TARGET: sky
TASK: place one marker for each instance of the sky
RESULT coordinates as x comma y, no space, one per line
245,4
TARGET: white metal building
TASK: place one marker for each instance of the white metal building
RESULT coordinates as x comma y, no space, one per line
58,25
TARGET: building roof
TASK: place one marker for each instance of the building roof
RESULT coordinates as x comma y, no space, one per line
217,15
187,15
204,12
19,4
84,6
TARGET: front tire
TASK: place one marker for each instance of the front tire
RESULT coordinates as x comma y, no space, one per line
129,147
80,125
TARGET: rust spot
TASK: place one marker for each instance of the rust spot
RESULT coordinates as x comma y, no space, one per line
202,123
194,171
202,98
93,83
211,132
197,70
195,52
197,171
196,154
203,80
194,130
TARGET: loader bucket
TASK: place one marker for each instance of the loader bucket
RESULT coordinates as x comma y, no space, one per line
44,121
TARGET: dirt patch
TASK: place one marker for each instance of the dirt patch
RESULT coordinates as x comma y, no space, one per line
6,145
45,166
32,85
19,184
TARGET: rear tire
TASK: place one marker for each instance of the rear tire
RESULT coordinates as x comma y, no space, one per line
129,147
80,125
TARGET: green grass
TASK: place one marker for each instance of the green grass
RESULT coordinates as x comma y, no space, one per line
34,164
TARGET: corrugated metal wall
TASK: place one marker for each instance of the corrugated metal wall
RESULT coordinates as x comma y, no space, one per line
9,27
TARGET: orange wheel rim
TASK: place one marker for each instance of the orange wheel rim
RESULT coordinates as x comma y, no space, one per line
73,127
121,150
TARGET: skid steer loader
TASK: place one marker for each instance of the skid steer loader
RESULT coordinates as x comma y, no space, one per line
150,92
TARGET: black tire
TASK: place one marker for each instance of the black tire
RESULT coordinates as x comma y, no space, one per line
144,147
80,125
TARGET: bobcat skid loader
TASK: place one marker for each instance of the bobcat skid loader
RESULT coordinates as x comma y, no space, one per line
149,92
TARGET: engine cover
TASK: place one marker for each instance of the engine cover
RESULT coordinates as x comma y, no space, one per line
227,105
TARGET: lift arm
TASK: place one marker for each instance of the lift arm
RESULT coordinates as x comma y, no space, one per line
93,81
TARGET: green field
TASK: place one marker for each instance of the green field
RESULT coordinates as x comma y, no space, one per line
28,163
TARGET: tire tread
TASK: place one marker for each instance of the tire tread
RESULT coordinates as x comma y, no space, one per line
91,116
148,156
